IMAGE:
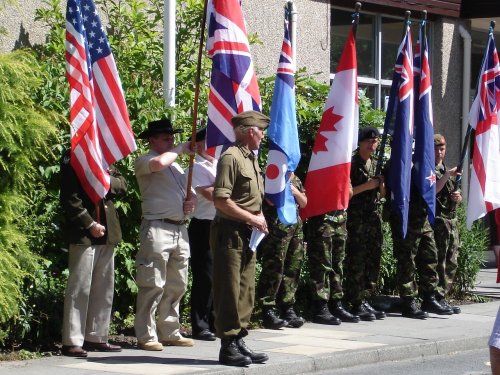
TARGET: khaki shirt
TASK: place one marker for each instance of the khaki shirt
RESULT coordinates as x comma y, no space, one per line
162,192
239,178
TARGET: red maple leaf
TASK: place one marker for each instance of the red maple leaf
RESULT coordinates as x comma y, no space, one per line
328,122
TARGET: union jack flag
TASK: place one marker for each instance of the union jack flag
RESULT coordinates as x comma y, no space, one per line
233,85
100,126
401,102
423,173
484,190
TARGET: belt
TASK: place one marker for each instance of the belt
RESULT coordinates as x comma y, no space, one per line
175,222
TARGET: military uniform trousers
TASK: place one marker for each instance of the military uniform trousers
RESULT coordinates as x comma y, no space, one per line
448,246
326,252
363,255
416,257
282,253
162,269
233,277
89,294
201,271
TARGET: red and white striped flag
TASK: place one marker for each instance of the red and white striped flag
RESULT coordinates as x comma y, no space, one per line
100,128
484,190
328,178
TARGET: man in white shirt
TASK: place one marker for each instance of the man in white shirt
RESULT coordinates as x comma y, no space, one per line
162,260
204,169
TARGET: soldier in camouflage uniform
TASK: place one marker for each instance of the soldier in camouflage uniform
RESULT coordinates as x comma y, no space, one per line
282,252
416,253
326,236
446,226
364,228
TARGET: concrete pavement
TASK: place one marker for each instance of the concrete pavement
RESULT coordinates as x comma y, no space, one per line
311,348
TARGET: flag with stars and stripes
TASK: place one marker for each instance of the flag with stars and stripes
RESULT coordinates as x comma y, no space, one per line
423,173
100,128
284,149
233,85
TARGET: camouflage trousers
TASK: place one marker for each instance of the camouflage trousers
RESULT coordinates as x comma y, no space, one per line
326,238
363,255
416,257
448,245
281,253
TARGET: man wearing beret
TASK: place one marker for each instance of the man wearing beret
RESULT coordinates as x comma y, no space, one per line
364,227
446,225
238,194
162,260
204,169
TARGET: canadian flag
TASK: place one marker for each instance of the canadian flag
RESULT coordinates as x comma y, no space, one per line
328,177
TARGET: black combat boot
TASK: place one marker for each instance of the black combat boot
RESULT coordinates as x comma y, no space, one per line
379,314
364,312
246,351
270,319
446,305
338,310
290,316
323,315
410,309
430,304
230,354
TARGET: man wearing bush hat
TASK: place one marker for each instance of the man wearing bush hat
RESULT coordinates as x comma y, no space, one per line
238,194
162,260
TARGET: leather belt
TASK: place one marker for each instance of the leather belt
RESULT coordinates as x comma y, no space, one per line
175,222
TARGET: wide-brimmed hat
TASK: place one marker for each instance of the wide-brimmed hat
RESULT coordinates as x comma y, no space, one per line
157,127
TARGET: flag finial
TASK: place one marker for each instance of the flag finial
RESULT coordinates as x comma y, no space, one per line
492,26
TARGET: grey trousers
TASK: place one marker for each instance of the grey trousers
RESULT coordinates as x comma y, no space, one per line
89,294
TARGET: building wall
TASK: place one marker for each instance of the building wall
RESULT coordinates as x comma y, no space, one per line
313,43
447,85
19,21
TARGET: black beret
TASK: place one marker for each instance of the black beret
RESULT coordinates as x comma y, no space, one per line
368,133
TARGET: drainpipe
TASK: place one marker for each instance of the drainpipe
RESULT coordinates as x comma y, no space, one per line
465,103
169,53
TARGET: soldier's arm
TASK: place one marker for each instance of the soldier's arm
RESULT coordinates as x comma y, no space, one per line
231,209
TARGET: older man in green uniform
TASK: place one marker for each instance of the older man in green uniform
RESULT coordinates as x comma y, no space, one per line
446,225
238,194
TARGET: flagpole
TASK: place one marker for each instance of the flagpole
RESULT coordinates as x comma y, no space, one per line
468,133
196,101
381,152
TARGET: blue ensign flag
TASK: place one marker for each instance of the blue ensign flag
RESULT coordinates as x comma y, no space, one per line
400,162
423,173
284,150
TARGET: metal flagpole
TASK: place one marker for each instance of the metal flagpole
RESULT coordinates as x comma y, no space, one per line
196,100
292,18
169,53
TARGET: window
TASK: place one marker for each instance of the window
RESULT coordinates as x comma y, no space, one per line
377,41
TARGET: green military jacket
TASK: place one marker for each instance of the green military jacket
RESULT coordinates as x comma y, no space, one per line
79,210
361,172
239,178
445,207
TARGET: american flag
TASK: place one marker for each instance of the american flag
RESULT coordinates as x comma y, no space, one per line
484,190
233,85
100,126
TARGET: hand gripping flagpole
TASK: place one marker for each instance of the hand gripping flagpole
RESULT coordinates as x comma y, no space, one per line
196,100
389,119
468,133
